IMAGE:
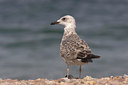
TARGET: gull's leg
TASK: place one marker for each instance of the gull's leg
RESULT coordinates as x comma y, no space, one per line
80,72
67,71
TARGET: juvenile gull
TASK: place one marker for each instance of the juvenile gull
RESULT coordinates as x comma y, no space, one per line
73,50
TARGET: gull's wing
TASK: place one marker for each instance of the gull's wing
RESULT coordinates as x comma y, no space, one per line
72,47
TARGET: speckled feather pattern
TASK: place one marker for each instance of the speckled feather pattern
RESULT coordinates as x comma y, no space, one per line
73,47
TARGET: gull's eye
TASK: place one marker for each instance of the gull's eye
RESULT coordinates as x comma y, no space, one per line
63,19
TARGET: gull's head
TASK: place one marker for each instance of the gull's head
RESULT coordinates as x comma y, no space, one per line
65,21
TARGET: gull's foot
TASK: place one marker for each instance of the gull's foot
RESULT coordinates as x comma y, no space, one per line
71,77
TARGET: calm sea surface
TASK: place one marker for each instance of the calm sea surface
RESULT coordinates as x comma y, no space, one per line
29,46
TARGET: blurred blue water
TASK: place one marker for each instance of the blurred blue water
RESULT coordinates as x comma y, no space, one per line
29,46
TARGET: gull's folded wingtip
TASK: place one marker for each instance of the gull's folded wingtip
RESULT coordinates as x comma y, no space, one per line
94,56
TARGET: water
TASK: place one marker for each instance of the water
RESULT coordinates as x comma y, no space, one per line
29,46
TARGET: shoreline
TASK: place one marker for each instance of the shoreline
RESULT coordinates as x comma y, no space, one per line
118,80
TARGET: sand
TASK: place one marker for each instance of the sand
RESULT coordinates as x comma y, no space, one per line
118,80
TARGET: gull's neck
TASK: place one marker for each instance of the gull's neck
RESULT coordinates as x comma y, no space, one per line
70,29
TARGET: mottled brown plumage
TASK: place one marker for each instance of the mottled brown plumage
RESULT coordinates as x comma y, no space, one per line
73,50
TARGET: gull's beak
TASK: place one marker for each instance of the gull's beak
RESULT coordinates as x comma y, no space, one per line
53,23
